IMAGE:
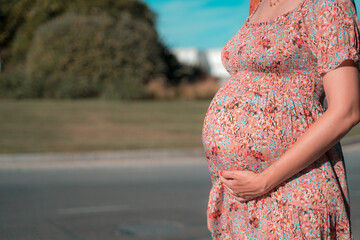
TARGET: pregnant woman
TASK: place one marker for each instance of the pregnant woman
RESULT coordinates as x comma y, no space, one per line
272,147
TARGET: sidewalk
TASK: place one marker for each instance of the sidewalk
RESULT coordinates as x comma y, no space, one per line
124,158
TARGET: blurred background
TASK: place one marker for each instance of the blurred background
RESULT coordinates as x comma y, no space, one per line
101,111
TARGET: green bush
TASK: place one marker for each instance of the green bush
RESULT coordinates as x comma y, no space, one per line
85,56
125,87
61,87
14,85
21,18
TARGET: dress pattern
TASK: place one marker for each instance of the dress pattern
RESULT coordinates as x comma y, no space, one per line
275,92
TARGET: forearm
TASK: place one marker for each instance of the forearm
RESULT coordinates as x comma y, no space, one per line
324,133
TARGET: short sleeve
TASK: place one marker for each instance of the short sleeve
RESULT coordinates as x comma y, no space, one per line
334,32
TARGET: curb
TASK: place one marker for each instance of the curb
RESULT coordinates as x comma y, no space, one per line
122,158
108,159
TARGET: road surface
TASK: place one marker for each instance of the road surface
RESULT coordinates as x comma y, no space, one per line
128,202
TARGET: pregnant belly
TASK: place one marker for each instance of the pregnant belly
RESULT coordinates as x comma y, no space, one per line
236,140
248,132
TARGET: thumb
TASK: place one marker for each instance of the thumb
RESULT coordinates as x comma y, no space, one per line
228,174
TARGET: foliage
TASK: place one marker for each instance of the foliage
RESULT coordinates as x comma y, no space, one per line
113,58
14,85
19,19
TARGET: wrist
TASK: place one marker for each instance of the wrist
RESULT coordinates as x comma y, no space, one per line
268,179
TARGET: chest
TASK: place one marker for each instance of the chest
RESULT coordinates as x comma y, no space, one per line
269,48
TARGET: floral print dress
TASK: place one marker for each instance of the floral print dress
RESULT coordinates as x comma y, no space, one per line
274,94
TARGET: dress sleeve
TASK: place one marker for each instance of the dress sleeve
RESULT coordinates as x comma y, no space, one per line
334,32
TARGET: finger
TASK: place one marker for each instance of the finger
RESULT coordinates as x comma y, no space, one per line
234,194
228,174
226,181
230,190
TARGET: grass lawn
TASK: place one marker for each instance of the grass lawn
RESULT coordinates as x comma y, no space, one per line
92,125
95,125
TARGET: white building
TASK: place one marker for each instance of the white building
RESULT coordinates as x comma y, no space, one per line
209,60
189,56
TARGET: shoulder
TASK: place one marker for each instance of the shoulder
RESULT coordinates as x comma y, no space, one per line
330,3
330,9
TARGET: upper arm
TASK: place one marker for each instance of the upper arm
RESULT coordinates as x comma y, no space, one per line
341,86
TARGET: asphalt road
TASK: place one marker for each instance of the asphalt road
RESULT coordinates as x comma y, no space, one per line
164,201
160,202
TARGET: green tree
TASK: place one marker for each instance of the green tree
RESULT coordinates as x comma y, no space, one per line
107,56
19,19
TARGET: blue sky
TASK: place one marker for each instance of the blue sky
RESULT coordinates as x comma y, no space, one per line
200,23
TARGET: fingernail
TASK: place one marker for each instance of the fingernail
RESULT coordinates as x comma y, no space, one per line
221,173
